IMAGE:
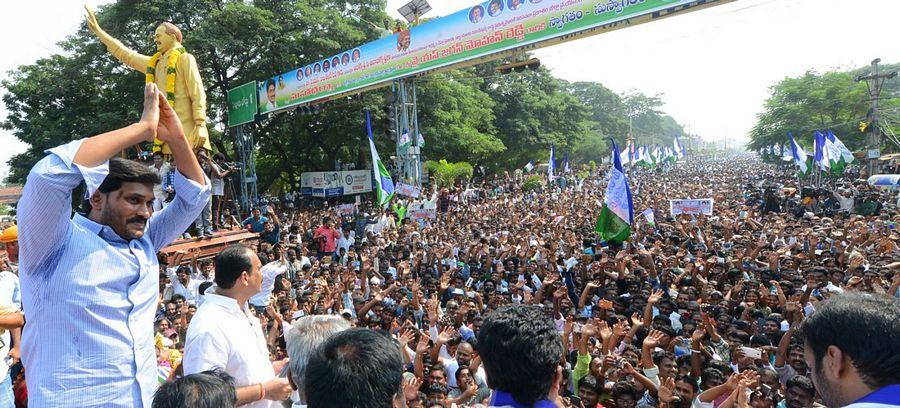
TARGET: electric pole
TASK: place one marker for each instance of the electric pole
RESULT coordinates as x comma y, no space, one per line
874,82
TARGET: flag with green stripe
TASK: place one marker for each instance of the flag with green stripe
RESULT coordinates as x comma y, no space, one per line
617,213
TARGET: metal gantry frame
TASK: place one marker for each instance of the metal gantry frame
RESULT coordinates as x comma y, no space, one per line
245,146
406,119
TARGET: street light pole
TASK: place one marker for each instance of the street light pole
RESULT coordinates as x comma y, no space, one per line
874,83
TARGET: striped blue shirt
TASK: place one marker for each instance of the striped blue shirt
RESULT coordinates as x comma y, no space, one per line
89,296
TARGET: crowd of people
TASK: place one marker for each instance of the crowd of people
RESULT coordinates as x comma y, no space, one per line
785,296
705,305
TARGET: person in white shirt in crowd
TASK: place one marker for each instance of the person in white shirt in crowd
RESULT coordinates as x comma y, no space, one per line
307,334
845,199
217,183
269,272
346,240
384,223
225,334
202,270
183,280
161,167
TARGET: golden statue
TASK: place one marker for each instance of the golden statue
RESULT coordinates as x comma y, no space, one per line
174,71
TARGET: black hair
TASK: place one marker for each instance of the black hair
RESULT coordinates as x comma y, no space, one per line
520,348
231,263
666,328
124,171
127,171
622,387
710,375
436,388
690,380
355,368
589,382
660,355
203,287
803,382
207,389
865,328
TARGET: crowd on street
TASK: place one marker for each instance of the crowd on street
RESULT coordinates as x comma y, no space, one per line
786,295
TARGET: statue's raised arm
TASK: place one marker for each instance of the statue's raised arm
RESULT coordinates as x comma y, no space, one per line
174,71
115,47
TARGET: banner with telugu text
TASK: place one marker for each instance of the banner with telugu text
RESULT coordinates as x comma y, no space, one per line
486,28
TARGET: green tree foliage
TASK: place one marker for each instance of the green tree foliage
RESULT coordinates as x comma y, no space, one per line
447,174
814,101
533,182
457,118
533,111
650,125
607,109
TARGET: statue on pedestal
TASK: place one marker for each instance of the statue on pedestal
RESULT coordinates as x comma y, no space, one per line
174,71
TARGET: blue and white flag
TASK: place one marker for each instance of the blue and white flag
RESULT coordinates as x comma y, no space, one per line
648,214
551,167
384,186
405,141
625,157
846,154
617,213
821,154
799,155
566,168
679,149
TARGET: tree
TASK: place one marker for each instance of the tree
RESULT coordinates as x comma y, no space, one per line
447,174
456,118
607,109
532,112
650,125
813,101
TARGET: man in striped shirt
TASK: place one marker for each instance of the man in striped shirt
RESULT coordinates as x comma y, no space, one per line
90,282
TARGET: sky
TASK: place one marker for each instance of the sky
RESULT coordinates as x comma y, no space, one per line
713,68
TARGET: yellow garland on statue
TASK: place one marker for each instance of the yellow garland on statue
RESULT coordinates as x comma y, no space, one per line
170,80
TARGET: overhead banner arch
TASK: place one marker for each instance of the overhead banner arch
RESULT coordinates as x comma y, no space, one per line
476,34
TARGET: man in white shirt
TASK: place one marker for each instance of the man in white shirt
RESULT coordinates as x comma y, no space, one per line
269,272
224,334
385,223
161,167
346,240
183,284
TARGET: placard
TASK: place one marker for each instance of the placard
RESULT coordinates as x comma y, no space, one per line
407,190
691,206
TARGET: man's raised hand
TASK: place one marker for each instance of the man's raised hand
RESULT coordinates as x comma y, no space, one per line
169,129
150,115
